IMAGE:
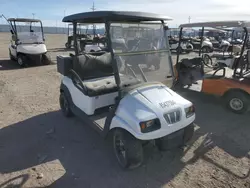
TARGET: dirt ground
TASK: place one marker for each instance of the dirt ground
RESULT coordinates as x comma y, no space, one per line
41,148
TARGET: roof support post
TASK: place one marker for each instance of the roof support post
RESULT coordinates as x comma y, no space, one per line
202,35
75,39
114,62
179,45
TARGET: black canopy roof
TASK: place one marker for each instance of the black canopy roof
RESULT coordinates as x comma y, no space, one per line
113,16
23,20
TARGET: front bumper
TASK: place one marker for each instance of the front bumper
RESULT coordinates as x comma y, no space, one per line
177,139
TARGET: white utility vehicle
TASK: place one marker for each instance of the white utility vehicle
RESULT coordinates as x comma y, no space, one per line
118,99
27,41
184,47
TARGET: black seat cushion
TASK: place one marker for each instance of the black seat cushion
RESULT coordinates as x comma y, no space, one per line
106,85
89,66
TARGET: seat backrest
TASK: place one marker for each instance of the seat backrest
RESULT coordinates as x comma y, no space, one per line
89,66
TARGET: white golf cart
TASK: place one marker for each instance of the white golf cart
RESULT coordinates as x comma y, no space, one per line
132,105
185,46
88,42
27,41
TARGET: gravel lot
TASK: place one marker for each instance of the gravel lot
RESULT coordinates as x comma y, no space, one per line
41,148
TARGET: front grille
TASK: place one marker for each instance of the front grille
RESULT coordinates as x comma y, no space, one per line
173,117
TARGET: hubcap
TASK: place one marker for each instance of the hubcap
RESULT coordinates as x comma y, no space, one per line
236,104
19,61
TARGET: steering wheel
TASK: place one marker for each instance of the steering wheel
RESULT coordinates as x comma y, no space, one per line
207,60
77,81
221,68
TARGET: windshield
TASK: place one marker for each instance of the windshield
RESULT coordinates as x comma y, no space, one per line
143,54
29,32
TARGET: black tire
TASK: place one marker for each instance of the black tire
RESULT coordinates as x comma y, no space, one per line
132,156
46,59
67,45
65,106
21,60
237,101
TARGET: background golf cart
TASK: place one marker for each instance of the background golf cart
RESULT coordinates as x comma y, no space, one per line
27,41
227,53
131,38
218,38
233,85
185,46
110,95
87,37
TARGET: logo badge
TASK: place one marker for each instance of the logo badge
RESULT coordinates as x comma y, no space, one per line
167,103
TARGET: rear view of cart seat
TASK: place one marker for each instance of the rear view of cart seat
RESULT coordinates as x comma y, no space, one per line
97,74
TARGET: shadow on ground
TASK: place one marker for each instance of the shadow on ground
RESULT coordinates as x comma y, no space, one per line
89,161
6,64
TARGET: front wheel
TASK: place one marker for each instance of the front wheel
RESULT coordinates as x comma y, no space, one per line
128,150
21,60
237,102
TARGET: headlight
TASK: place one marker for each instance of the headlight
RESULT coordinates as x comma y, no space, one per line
149,126
190,111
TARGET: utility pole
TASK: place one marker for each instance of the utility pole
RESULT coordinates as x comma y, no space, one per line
189,18
33,15
93,9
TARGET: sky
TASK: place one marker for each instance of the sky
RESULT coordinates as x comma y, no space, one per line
51,12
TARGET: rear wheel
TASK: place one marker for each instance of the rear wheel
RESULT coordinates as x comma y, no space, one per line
237,102
21,60
65,106
46,59
67,45
128,150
